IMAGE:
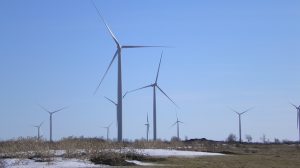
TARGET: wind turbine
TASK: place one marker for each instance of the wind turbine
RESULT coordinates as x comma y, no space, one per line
118,54
154,85
51,113
107,131
147,128
240,121
298,118
114,103
177,122
38,128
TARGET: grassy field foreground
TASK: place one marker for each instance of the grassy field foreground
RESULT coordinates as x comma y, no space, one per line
245,156
99,151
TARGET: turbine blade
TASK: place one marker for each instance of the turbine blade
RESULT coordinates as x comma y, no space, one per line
167,96
59,110
111,100
44,109
294,105
140,46
137,89
158,67
147,119
235,111
247,110
110,124
106,25
41,124
173,124
106,71
124,94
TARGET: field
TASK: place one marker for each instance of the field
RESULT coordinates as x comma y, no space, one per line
246,156
100,152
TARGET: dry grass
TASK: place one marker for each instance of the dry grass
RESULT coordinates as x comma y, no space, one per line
245,156
100,151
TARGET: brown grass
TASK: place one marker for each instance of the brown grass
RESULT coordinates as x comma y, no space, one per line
100,151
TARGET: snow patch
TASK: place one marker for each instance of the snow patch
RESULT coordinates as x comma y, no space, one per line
141,163
176,153
56,163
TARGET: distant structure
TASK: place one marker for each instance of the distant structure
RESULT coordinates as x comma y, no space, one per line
177,122
38,130
107,131
298,119
118,54
154,86
147,128
51,113
114,103
240,122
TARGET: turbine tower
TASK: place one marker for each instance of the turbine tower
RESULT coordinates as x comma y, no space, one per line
177,122
118,54
298,119
51,113
147,128
154,86
107,131
240,122
38,129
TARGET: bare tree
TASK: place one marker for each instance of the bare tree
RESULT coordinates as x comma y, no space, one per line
249,138
276,140
231,138
264,138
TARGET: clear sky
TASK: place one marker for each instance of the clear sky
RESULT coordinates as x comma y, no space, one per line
225,54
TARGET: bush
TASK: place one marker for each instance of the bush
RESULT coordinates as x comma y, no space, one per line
231,138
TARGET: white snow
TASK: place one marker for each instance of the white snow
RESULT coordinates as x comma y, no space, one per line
56,163
59,162
141,163
175,153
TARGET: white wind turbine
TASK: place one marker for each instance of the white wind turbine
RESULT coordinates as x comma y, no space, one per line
154,86
118,54
240,121
147,128
51,113
107,131
177,122
114,103
298,119
38,129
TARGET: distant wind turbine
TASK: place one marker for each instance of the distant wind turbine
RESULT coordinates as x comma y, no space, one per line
240,121
154,85
51,113
107,131
177,122
114,103
119,82
147,128
298,118
38,129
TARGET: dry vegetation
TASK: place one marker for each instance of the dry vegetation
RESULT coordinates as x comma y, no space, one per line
102,152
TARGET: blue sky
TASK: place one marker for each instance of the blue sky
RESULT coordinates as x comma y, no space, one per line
233,54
